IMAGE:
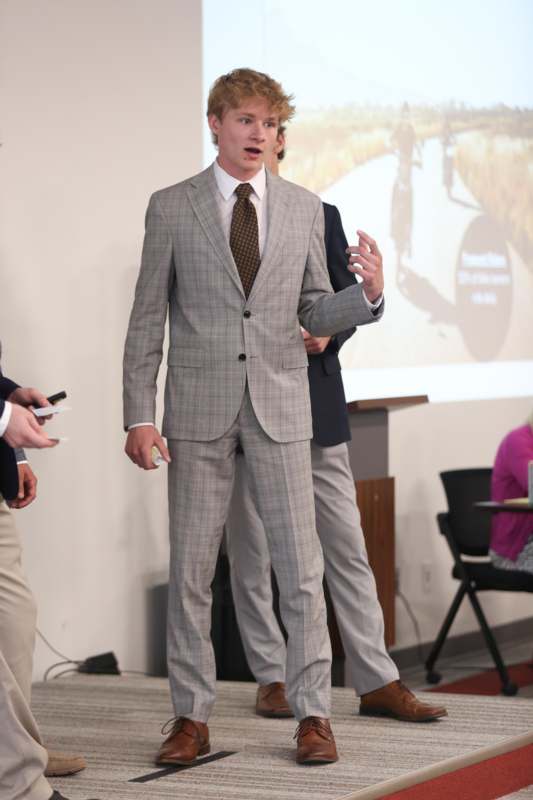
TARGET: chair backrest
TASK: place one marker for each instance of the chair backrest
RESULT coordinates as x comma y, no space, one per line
470,526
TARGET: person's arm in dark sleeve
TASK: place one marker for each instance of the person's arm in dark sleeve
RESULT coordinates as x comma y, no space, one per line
337,260
6,387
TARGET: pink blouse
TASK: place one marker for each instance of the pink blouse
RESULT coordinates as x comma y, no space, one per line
510,532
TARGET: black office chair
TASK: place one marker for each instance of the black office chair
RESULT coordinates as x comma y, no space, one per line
467,531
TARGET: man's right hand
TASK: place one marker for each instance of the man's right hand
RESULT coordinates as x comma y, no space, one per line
139,446
27,487
23,430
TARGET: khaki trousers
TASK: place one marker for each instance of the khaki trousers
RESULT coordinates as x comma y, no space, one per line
350,580
22,757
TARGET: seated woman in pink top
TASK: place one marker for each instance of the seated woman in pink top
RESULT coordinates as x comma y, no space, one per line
511,543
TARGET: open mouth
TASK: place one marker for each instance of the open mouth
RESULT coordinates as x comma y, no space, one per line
254,151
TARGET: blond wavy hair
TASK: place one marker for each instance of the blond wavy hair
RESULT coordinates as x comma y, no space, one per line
231,89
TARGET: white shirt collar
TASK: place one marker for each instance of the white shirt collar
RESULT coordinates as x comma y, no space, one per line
227,183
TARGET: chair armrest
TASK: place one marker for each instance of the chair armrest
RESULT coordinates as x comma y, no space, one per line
444,525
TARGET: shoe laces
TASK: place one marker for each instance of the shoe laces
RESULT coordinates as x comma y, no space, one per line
316,724
173,724
177,725
270,688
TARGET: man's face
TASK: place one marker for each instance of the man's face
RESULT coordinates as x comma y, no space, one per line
245,136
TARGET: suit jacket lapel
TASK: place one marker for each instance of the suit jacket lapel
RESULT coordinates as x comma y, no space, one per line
277,210
202,191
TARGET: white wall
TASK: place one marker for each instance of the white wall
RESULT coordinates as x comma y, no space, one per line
102,105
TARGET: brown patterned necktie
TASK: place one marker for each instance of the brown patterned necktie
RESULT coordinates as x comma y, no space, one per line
244,237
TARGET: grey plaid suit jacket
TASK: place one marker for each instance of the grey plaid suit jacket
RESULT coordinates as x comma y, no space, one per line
219,340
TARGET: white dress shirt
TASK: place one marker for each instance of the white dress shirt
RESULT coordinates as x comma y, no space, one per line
226,199
4,419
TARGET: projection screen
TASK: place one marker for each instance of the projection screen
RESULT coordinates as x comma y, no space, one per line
416,121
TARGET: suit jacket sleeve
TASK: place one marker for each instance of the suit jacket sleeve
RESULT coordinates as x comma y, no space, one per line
6,387
144,341
322,312
337,260
8,467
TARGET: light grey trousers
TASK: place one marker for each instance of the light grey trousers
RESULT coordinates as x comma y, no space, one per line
22,757
200,486
350,580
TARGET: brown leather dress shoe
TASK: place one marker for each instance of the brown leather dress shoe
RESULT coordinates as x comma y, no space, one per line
63,764
396,700
315,742
188,739
271,701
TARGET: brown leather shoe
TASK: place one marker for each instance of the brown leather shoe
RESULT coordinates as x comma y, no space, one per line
396,700
271,701
63,764
188,739
315,742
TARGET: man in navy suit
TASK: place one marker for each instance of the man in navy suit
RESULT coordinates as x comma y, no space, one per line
18,428
350,580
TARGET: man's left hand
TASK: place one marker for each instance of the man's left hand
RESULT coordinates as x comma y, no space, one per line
367,262
27,487
314,345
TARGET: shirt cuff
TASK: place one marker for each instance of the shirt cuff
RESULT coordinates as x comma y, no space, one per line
6,416
140,425
20,456
376,304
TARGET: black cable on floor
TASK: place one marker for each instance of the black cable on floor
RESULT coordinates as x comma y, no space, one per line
60,664
65,672
77,664
53,649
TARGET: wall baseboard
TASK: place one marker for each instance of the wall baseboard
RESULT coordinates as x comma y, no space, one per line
464,643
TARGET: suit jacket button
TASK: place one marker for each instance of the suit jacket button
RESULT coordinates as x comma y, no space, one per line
242,357
247,314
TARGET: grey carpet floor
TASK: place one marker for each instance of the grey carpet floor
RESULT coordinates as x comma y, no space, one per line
115,723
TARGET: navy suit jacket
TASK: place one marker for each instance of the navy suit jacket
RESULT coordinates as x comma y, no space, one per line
9,482
328,402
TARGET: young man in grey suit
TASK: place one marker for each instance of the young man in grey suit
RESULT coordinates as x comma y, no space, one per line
350,580
237,256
